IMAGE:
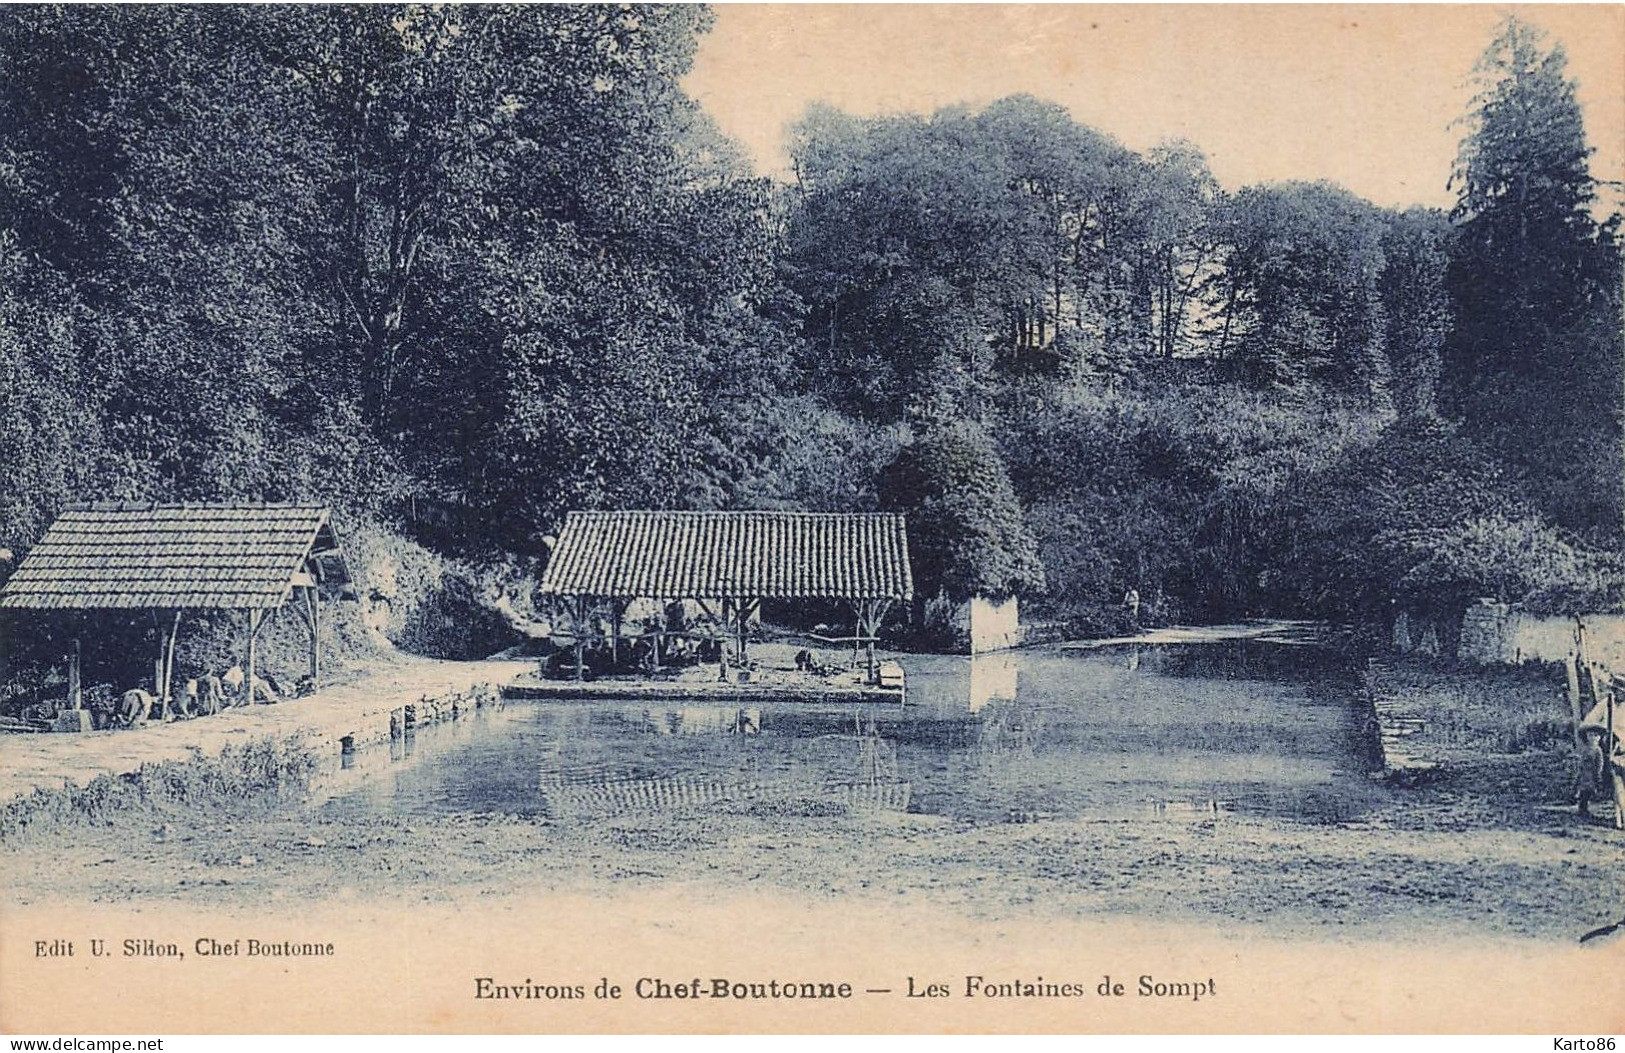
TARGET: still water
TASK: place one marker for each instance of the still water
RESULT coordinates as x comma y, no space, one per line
1161,733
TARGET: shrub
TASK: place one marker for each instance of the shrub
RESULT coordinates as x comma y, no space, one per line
967,535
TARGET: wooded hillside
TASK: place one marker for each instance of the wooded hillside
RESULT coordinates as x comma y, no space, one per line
458,270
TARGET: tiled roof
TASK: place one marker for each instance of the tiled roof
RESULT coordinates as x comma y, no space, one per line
741,555
138,556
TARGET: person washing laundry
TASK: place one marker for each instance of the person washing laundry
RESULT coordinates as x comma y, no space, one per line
262,692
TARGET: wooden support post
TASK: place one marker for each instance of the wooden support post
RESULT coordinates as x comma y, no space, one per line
315,637
1608,721
870,627
580,619
158,659
169,660
76,695
1611,753
255,617
160,667
877,614
310,614
857,629
617,611
1576,704
747,608
711,614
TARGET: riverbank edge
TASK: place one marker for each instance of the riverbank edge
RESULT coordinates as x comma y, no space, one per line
230,756
1434,716
1401,701
262,765
626,690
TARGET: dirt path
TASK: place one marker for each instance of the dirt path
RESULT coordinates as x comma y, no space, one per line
361,707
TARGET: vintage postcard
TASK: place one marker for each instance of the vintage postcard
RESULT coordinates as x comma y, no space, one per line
943,519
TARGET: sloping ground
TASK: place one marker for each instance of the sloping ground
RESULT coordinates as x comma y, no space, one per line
29,762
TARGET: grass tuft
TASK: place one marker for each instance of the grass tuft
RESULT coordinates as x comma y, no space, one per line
237,775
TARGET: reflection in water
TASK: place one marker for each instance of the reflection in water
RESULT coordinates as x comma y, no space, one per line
703,720
856,770
1164,732
1008,728
992,678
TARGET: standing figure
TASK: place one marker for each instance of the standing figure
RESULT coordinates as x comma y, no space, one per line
207,694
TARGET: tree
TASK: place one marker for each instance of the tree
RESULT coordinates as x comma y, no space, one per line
966,532
1496,556
624,284
1537,363
49,429
1181,200
156,179
933,253
496,253
1303,298
1365,521
1529,254
1416,305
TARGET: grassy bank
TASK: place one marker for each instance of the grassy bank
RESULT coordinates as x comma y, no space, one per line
1500,740
265,770
1469,711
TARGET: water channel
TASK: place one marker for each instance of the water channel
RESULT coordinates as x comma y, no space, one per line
1164,732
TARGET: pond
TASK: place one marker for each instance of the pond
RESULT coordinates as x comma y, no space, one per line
1159,732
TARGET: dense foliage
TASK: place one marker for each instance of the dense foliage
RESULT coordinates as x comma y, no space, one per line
458,269
1538,362
491,258
966,533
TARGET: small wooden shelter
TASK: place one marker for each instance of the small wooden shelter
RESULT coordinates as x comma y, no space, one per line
172,558
734,560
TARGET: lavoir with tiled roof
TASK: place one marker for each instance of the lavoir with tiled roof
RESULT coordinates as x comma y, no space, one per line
734,559
740,556
174,558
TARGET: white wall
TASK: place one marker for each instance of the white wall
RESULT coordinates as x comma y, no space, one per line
989,625
1493,632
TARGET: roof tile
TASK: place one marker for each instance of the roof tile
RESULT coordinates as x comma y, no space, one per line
133,555
739,555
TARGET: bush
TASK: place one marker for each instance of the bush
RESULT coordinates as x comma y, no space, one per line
1522,560
238,775
1183,493
1357,526
967,535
